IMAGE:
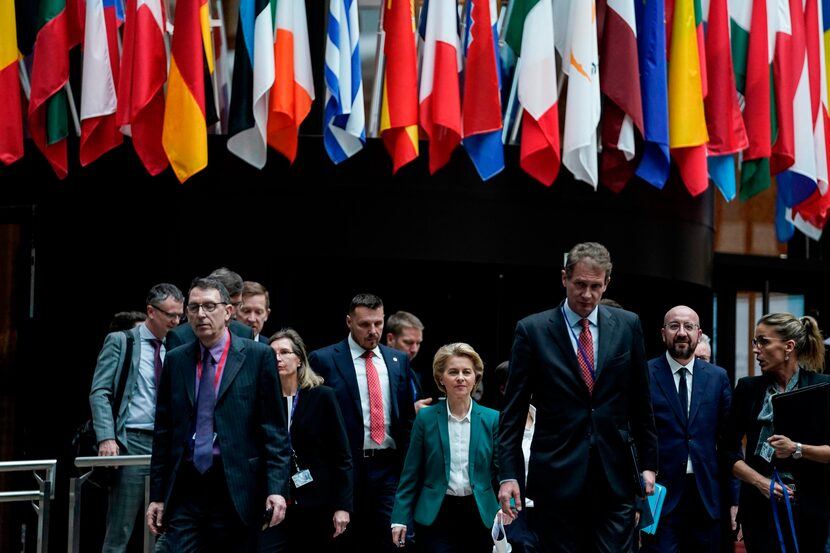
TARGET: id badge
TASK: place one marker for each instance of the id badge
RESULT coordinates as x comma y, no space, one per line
302,478
767,451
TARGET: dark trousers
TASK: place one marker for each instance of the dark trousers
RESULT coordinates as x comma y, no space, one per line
376,482
201,517
598,521
303,529
760,536
457,529
688,528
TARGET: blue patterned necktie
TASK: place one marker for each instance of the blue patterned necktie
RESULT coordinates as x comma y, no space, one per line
203,447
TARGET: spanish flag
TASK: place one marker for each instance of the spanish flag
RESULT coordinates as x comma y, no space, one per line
184,135
11,122
399,106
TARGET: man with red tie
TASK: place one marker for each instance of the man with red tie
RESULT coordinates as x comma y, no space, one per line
585,366
372,385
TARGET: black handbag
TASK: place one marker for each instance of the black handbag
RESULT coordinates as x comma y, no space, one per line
84,441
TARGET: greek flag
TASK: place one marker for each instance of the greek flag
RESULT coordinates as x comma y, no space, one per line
344,131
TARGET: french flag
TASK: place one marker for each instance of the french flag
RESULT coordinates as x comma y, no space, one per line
439,97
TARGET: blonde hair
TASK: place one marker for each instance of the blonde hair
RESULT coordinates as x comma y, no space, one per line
458,349
809,344
306,377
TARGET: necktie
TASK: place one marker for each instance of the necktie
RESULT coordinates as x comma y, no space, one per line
203,446
585,354
156,360
376,423
683,393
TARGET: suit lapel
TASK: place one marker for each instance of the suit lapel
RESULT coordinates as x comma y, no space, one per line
607,332
345,366
189,373
442,423
700,383
560,333
236,356
393,369
665,379
475,434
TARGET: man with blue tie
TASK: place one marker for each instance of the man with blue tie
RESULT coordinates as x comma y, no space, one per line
220,448
373,387
691,400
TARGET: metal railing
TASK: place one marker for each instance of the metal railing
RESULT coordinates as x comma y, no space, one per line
41,498
75,484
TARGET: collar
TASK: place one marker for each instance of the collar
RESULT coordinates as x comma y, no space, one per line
145,333
216,350
357,350
675,366
467,417
574,317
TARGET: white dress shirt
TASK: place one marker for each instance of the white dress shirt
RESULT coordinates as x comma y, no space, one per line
363,388
458,431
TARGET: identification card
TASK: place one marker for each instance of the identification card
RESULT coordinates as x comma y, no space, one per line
767,451
302,478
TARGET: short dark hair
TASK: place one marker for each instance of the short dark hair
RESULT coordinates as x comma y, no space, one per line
401,320
162,291
251,288
232,281
210,283
593,251
365,300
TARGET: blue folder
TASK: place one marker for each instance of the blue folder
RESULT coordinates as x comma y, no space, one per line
655,503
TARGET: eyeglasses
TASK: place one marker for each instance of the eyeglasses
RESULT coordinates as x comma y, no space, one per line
168,314
763,342
283,353
209,307
675,326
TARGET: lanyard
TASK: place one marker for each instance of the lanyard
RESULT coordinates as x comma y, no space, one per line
290,424
219,367
578,345
776,478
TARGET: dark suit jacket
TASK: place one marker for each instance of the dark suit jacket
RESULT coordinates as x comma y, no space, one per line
426,473
318,435
543,364
334,364
248,420
711,398
743,421
183,334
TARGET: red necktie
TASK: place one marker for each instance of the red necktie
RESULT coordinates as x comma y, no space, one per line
376,422
585,354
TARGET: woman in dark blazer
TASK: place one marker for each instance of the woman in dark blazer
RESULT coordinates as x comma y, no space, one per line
790,353
321,468
449,477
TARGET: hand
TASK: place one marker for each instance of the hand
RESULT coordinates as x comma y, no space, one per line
778,490
733,516
503,518
107,448
510,490
399,536
341,522
277,502
784,447
155,514
422,403
649,478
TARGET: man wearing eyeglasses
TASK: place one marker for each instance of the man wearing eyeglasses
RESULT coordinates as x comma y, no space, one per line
691,400
127,428
220,448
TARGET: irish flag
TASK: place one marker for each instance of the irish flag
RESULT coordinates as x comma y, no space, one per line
530,35
293,89
48,117
11,121
439,97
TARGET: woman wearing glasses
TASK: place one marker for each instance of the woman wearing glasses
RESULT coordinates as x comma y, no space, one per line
321,466
790,353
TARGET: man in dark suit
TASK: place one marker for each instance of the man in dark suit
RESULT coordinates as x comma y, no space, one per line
220,448
372,385
254,309
691,400
585,366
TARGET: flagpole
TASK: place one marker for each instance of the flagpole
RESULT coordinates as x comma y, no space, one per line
218,23
24,79
511,101
377,85
71,99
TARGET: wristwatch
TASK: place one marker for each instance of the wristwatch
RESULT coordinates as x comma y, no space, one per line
797,453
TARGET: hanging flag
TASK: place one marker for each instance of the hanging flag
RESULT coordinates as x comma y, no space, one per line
48,117
253,76
99,133
687,121
11,120
344,122
752,54
184,134
786,74
481,107
727,135
399,104
293,89
582,110
655,163
140,112
622,112
439,96
531,36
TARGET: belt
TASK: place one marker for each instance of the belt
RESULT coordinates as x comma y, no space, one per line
386,452
140,430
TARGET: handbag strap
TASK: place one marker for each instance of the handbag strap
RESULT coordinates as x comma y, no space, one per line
125,369
777,478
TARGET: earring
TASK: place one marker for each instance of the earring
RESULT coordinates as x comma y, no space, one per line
786,357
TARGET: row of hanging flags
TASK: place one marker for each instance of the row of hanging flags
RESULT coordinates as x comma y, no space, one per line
720,82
